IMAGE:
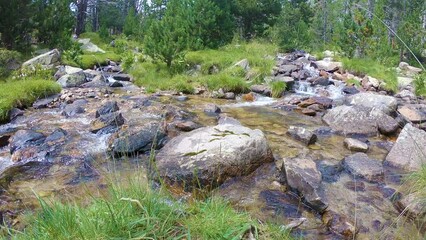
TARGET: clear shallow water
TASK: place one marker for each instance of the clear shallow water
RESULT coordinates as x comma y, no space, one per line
259,193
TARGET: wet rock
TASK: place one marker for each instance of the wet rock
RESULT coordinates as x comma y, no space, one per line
315,107
24,138
323,101
212,109
351,120
91,74
329,169
355,145
182,98
412,206
15,112
355,186
229,95
49,59
302,134
411,114
408,153
210,155
74,79
45,102
115,84
309,112
287,69
307,103
320,81
223,119
122,77
302,176
339,224
386,104
106,108
110,120
56,136
261,89
350,90
138,138
74,109
187,126
360,165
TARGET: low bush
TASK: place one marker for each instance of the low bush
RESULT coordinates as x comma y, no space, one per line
7,57
420,84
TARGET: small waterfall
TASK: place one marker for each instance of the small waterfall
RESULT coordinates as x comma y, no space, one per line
260,100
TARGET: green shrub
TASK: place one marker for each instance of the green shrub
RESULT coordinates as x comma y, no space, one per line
420,84
278,88
373,69
88,60
72,56
23,93
7,57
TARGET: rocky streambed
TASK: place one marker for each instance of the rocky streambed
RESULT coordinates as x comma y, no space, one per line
326,160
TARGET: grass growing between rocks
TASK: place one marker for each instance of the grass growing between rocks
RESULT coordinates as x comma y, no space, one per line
133,211
420,84
216,70
373,69
23,93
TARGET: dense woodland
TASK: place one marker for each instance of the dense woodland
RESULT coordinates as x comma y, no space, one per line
168,27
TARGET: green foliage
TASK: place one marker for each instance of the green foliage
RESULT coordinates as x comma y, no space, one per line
72,56
374,69
89,60
227,82
293,26
33,72
168,38
23,93
420,84
131,210
103,33
131,23
53,23
278,88
214,219
7,58
417,183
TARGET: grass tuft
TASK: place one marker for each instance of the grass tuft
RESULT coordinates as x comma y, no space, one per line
134,211
420,84
278,88
23,93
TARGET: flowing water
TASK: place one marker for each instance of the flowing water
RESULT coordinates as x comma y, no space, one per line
259,193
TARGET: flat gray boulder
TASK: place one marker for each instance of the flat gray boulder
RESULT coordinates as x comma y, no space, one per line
386,104
75,77
210,155
48,60
409,151
360,165
350,120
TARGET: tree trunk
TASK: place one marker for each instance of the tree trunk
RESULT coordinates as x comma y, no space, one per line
81,16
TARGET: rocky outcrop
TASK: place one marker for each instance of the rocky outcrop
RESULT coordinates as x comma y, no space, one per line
107,122
210,155
301,175
360,165
89,46
108,107
48,60
409,151
350,120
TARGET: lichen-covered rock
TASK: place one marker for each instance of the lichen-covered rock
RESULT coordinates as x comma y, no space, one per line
49,59
386,104
210,155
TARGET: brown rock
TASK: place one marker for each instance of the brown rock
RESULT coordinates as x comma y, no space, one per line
410,114
307,103
309,112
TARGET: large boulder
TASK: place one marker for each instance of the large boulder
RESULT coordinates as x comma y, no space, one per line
107,122
23,138
301,175
136,138
64,70
210,155
328,66
350,120
89,46
409,151
386,104
360,165
48,60
74,78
